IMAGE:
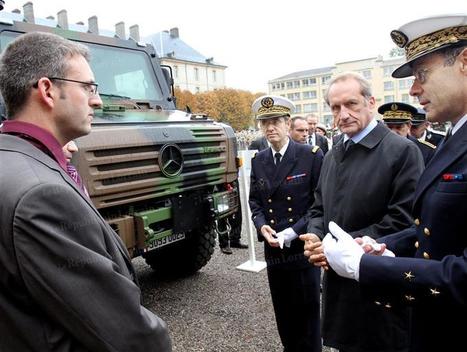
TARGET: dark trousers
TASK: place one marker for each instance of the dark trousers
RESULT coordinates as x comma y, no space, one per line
295,296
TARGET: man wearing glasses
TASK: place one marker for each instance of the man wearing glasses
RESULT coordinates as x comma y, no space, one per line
429,270
67,282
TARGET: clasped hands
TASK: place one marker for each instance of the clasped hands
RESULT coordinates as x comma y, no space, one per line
341,251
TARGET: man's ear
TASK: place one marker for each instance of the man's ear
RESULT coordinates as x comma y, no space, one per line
463,61
45,91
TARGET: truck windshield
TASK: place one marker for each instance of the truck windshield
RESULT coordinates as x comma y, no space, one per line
120,73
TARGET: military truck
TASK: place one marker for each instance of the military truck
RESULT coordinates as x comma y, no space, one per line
165,179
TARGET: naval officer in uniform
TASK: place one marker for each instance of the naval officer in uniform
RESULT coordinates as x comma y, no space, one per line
283,179
429,270
398,118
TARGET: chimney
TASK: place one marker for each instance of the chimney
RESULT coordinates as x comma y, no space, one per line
62,19
174,32
16,11
28,11
134,32
120,30
93,26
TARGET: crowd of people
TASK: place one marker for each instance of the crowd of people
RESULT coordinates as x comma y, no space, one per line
384,222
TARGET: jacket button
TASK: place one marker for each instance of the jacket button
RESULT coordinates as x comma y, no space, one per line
289,198
290,210
270,210
290,220
416,244
269,200
272,221
426,231
417,222
426,255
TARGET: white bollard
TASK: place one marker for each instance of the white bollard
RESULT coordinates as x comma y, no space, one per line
252,264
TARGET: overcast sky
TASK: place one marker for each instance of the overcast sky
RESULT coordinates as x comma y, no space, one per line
260,40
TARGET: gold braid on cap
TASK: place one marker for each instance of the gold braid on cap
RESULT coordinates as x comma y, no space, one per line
434,40
401,115
273,109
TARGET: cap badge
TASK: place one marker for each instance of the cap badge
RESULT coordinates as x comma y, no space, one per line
399,38
267,102
394,107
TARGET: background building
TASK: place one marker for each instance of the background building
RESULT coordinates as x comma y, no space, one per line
191,70
307,88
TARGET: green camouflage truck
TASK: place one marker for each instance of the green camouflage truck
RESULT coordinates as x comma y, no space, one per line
165,180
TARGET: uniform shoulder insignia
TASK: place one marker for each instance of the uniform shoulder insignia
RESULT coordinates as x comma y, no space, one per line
315,149
427,143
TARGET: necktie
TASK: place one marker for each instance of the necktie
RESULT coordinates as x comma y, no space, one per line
348,143
73,173
277,158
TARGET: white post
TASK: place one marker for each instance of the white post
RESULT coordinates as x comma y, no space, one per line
244,179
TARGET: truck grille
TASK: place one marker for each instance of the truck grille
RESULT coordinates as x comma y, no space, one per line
124,167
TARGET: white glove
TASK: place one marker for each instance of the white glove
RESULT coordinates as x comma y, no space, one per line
376,247
286,237
344,254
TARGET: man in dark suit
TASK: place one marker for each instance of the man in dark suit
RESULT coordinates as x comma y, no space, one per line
298,130
397,117
283,178
313,137
67,282
367,183
429,270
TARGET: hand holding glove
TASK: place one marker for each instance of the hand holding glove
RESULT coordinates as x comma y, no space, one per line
285,237
343,254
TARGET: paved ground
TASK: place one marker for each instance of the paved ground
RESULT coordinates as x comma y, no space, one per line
220,309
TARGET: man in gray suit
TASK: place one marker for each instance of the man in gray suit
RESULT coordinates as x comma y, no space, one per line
67,282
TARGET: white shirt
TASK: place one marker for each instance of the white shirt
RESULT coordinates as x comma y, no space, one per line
363,133
282,151
459,124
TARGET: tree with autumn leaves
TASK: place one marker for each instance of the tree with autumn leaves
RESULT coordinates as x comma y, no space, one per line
230,106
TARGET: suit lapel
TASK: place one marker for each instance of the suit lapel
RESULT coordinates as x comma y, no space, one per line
445,156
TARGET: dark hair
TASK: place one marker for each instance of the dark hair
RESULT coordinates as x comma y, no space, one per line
30,57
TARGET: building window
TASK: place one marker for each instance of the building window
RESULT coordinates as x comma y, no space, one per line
214,75
296,84
405,98
289,85
325,79
175,71
310,107
389,85
282,85
326,107
366,74
388,98
293,96
311,94
298,109
405,83
196,70
328,119
308,82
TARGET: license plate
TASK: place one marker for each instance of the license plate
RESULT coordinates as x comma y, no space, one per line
164,241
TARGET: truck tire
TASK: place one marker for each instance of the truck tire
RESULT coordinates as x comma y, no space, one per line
183,258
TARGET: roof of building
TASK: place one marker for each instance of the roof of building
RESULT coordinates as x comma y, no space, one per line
169,45
306,73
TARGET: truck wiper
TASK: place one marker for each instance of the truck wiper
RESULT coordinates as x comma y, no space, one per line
114,96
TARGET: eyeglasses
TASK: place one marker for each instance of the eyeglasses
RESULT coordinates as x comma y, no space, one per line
90,87
421,74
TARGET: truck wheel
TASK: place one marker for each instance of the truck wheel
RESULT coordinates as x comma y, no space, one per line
185,257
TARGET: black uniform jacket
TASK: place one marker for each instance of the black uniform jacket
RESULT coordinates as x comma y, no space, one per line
66,279
434,137
367,190
280,196
260,143
433,275
427,149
